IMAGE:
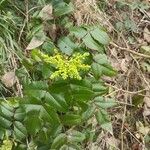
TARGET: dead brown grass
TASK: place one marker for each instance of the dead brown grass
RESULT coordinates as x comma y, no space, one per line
87,12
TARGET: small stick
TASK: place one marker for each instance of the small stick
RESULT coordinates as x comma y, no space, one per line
131,51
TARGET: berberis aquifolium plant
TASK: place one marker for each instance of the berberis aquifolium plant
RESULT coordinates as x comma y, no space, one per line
62,87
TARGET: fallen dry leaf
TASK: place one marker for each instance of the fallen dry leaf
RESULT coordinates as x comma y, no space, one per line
146,34
47,12
51,29
146,111
53,32
9,79
115,64
147,101
123,65
120,64
136,146
36,41
144,130
111,141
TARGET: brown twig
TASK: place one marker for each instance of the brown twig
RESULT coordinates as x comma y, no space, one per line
142,75
125,91
128,50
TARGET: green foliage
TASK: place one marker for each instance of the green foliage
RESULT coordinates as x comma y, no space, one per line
94,37
53,112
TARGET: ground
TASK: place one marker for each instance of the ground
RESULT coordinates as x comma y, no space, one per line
128,24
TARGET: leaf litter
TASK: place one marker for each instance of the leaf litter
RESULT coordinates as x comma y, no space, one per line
133,77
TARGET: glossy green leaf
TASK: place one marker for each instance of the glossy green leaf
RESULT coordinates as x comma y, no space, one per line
91,43
49,114
37,85
81,93
101,59
33,124
58,88
20,131
109,70
2,133
59,141
46,71
71,119
100,35
104,103
7,105
56,101
84,83
4,111
62,8
75,136
97,70
78,32
102,67
29,108
4,122
66,45
60,98
98,88
89,112
39,94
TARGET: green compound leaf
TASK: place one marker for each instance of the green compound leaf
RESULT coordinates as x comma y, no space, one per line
39,90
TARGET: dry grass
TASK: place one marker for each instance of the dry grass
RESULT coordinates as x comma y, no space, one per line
87,12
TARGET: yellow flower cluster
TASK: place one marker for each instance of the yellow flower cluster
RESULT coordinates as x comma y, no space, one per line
7,145
66,67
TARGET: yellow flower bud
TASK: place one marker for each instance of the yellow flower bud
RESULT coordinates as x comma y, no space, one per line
7,145
66,67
